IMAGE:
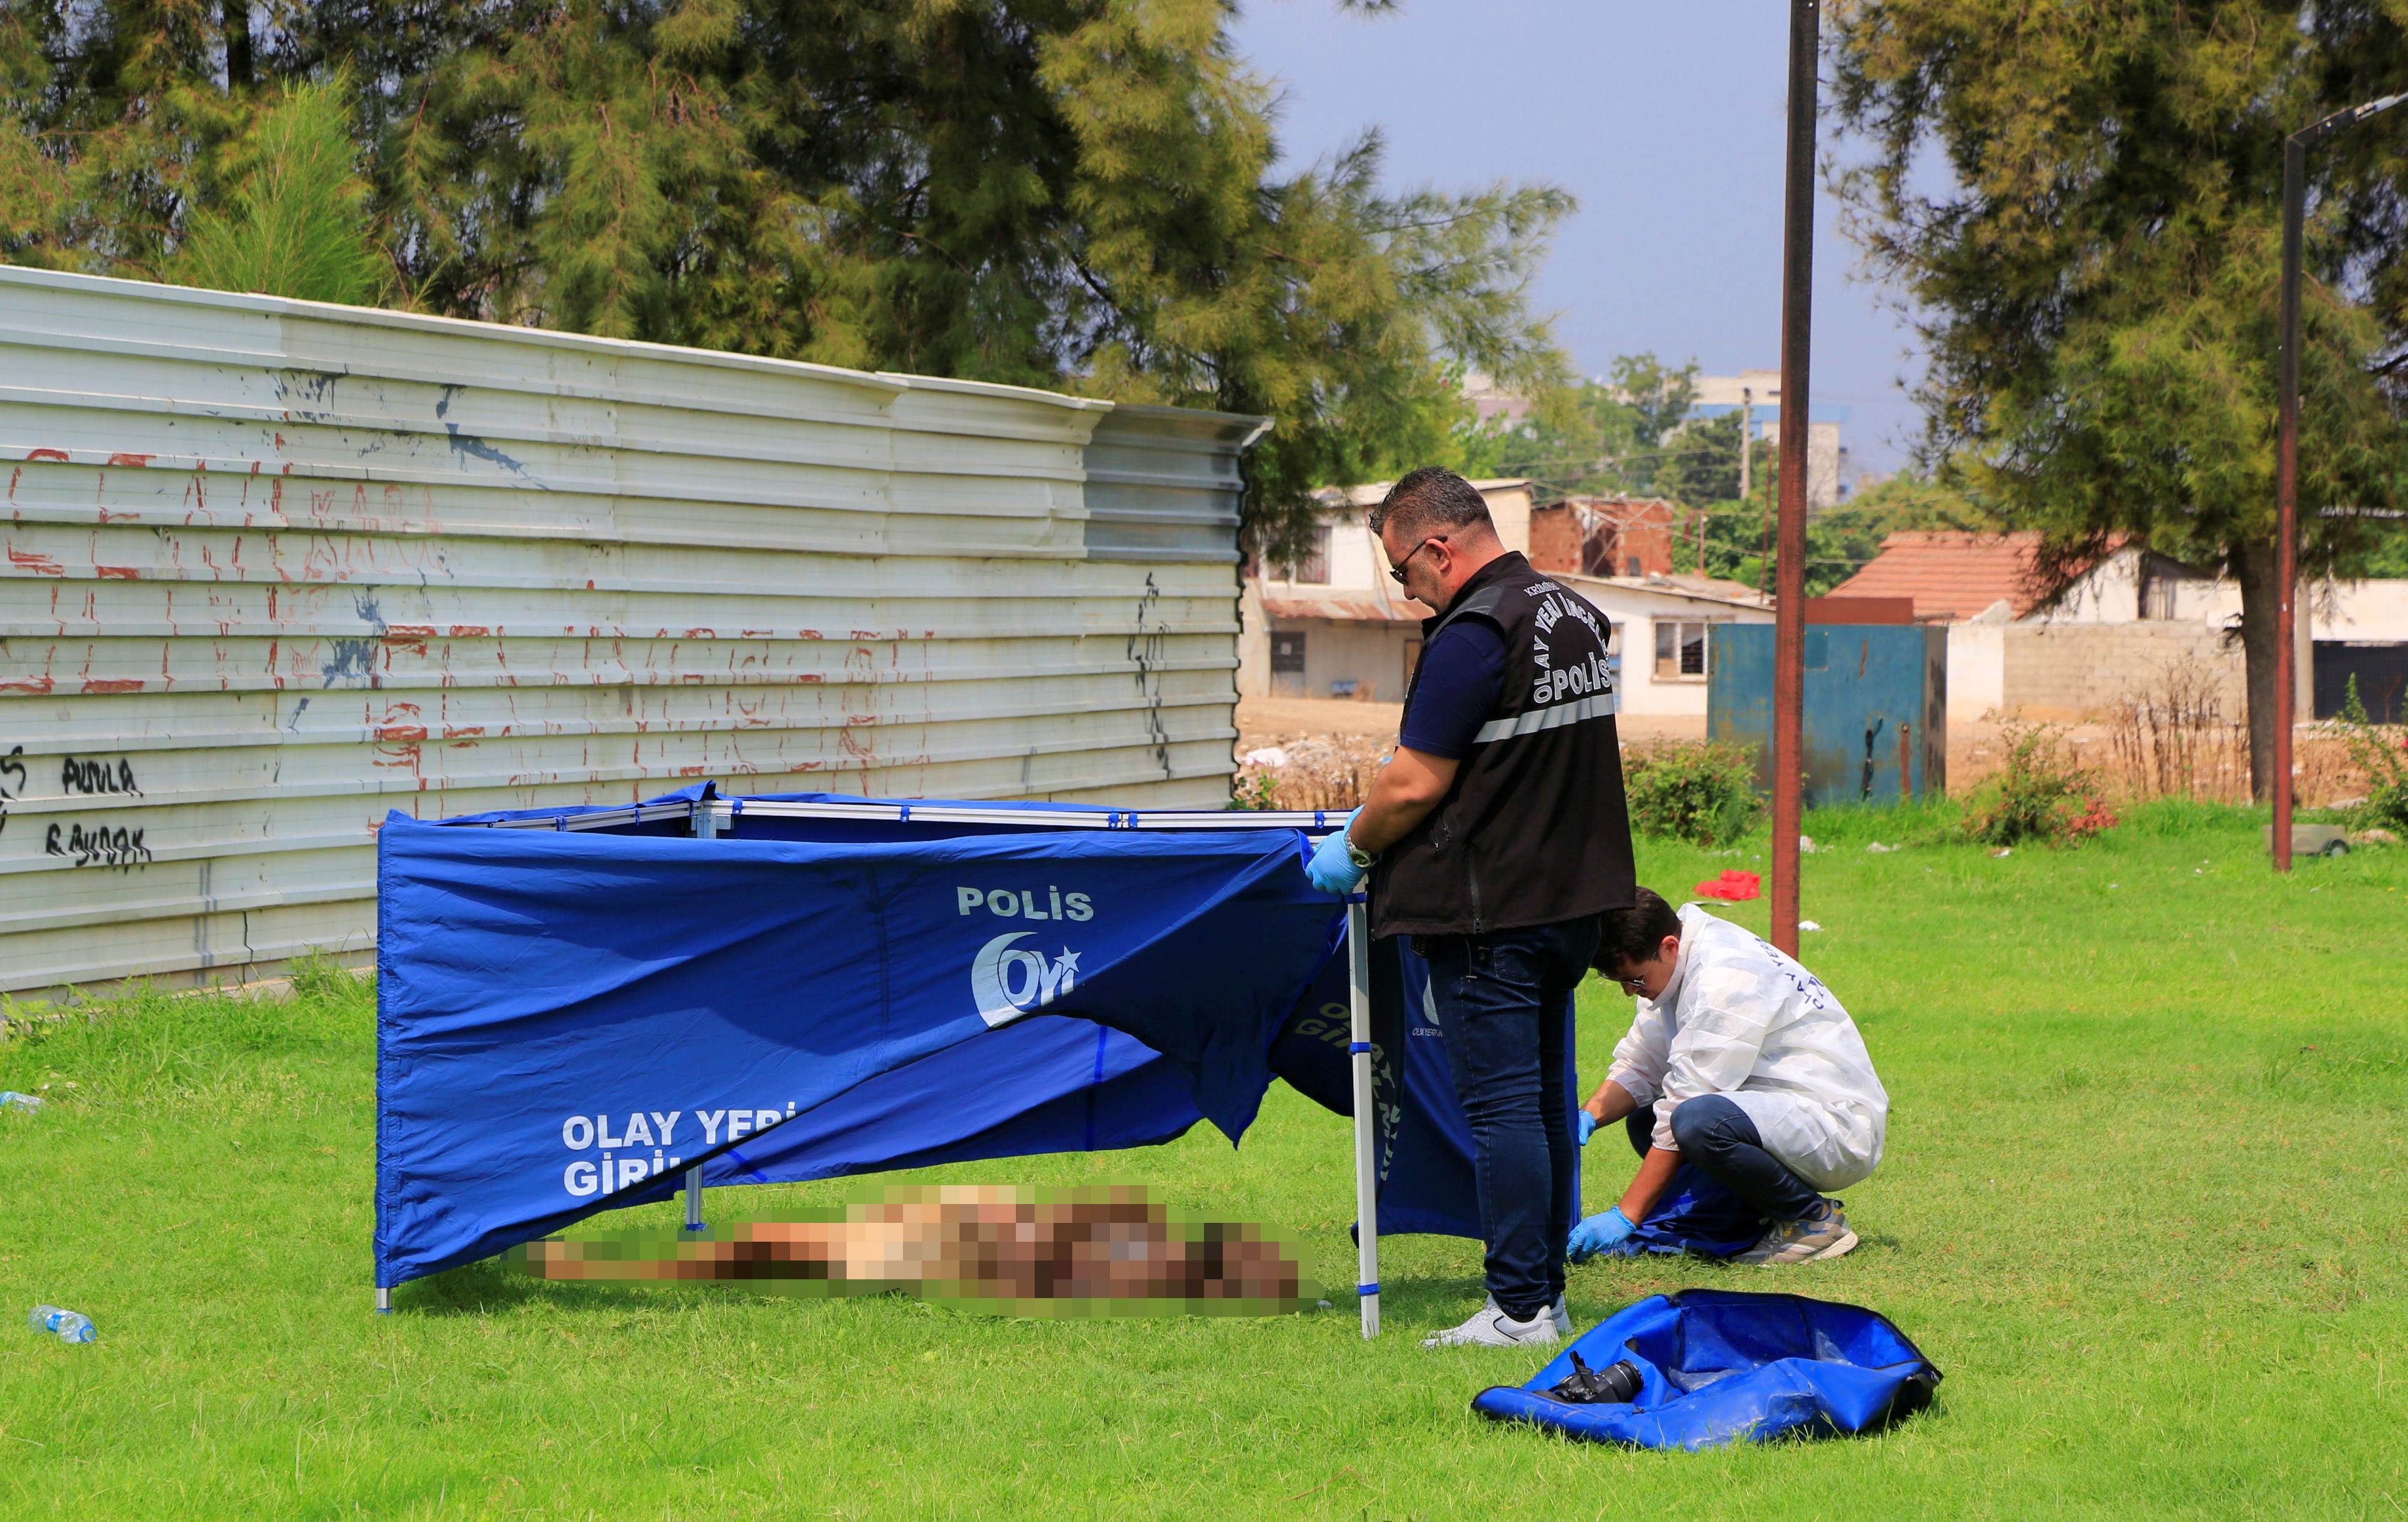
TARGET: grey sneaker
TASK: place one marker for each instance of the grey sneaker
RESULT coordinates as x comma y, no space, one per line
1559,1313
1492,1328
1802,1242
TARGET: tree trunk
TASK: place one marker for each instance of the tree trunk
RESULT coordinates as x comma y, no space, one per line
2254,569
234,23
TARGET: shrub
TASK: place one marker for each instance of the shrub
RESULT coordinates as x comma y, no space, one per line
1687,790
2383,758
2039,794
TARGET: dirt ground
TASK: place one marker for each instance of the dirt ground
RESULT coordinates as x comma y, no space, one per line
1331,745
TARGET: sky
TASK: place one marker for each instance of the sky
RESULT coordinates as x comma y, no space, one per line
1664,120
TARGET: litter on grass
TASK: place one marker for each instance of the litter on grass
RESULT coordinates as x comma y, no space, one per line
1732,886
23,1101
1102,1251
1808,925
1878,849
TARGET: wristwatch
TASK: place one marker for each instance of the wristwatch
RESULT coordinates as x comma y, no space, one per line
1360,858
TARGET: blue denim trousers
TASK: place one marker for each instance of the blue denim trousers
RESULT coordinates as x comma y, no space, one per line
1500,1000
1716,1136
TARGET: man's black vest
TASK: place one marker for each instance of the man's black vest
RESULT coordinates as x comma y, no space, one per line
1535,828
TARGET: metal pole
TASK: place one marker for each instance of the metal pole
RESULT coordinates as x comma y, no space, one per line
384,1302
2287,456
693,1197
1789,613
1366,1120
2287,494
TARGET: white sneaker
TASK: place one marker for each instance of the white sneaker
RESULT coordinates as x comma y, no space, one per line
1558,1312
1492,1328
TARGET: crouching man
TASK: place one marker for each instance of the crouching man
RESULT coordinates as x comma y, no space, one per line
1755,1073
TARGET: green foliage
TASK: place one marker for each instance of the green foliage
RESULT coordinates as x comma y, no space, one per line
1683,790
2099,268
291,217
2039,793
1070,193
2381,751
1840,540
1619,435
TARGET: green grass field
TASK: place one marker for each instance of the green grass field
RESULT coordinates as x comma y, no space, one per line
2143,1204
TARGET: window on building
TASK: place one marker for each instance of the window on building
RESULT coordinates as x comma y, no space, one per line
1313,569
1287,654
1680,650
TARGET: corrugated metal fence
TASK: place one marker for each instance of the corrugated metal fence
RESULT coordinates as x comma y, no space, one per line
274,569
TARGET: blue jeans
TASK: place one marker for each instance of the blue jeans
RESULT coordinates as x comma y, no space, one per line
1500,999
1716,1136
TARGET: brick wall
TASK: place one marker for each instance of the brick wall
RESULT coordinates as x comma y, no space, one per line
1555,540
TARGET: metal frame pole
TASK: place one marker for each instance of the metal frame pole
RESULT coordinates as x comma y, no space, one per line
693,1197
1366,1120
2287,457
1790,609
2286,496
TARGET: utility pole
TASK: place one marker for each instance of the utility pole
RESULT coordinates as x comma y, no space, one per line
2287,457
1789,613
1746,442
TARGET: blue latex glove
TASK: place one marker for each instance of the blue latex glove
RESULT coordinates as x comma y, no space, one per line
1330,870
1586,1124
1598,1233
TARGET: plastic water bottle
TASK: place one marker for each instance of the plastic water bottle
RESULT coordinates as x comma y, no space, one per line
71,1326
23,1101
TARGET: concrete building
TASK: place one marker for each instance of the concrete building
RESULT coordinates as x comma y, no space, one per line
1827,473
1334,625
1606,536
2120,625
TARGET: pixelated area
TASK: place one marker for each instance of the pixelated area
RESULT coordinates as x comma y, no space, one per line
1099,1251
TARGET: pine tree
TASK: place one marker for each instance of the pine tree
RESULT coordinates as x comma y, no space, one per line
2100,278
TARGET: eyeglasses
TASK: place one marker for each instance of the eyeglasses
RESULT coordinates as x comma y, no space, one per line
1397,572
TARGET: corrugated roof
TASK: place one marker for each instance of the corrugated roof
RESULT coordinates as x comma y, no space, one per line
1951,574
1358,608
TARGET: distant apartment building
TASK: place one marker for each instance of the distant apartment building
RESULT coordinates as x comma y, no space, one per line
1759,393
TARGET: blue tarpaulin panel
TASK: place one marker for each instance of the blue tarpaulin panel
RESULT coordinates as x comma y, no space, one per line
1720,1365
569,1017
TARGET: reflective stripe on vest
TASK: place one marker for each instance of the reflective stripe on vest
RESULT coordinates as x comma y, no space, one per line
1598,706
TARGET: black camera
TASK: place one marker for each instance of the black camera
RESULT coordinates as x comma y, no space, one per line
1615,1385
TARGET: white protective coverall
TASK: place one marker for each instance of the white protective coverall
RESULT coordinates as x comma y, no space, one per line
1740,1019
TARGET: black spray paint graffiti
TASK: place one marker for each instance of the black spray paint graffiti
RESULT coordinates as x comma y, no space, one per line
1146,648
101,845
93,776
12,767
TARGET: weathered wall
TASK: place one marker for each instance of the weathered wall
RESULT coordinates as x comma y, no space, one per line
2073,671
274,569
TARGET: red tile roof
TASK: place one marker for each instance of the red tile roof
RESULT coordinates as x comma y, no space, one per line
1952,575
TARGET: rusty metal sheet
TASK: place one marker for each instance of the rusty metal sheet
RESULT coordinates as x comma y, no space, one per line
273,569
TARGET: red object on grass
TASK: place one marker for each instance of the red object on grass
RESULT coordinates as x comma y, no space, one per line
1733,885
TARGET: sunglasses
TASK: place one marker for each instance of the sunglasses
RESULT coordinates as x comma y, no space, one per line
1397,572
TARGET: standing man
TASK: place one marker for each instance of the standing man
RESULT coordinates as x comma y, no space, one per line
1496,837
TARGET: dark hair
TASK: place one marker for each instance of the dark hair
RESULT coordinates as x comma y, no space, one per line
1428,501
1635,934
